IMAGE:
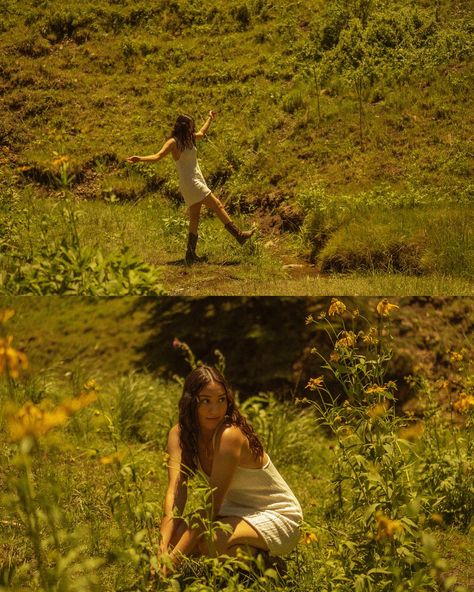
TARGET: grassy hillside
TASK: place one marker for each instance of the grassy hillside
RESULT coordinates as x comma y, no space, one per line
332,117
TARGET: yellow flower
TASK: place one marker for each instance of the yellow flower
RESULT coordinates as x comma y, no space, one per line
308,320
456,357
60,160
387,527
116,457
437,518
334,356
378,410
315,383
336,308
384,308
348,339
355,312
11,360
371,337
464,403
308,538
376,389
6,314
411,432
34,420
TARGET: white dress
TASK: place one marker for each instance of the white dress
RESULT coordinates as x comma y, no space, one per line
191,181
262,498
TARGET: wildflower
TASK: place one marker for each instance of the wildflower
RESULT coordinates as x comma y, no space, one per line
336,308
378,410
6,314
334,356
456,357
33,420
376,389
387,527
313,351
464,403
437,518
11,360
411,432
315,383
385,308
348,339
355,313
116,457
308,538
321,316
346,403
90,385
308,320
60,160
78,403
370,337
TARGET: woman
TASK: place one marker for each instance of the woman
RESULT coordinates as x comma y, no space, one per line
248,493
182,146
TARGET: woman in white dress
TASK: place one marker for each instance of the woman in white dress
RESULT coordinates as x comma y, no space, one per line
182,146
248,493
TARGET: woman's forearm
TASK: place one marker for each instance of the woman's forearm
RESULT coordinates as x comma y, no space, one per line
206,126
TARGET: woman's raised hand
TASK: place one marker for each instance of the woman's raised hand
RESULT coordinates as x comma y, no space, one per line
133,159
212,114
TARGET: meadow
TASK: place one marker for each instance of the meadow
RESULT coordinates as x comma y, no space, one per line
386,488
344,133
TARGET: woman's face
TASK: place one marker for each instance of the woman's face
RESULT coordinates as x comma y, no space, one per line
212,405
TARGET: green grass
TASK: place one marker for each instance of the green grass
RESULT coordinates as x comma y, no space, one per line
100,83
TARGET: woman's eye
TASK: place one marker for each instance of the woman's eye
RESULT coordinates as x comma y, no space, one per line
222,399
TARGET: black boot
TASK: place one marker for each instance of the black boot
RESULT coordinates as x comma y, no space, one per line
191,256
242,236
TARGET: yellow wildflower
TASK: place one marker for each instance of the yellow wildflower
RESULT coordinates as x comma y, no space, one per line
116,457
315,383
411,432
355,312
348,339
308,538
321,316
386,527
34,420
6,314
384,308
437,518
308,320
376,389
378,410
60,160
456,357
464,403
370,337
11,360
334,356
336,308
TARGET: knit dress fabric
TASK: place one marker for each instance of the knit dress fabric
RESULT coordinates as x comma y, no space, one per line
262,498
191,181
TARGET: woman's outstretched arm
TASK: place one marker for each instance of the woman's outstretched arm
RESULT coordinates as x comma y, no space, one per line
167,148
202,132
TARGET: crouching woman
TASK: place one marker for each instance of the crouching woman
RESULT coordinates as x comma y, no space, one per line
248,493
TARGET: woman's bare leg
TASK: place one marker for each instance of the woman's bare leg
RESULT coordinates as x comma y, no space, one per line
194,215
216,206
243,535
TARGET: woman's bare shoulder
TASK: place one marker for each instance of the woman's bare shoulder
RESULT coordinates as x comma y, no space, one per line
230,435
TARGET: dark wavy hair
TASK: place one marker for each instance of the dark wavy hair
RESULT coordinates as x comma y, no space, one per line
183,132
188,419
